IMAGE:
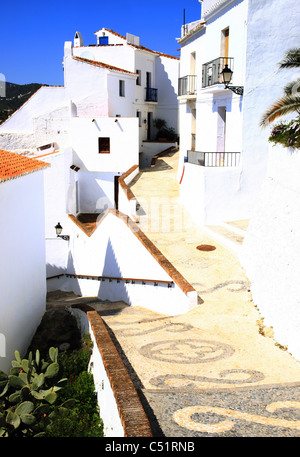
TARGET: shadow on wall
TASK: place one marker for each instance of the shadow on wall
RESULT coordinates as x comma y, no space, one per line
167,96
111,289
56,279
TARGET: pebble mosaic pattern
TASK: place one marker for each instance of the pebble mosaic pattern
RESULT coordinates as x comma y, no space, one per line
186,351
272,411
178,401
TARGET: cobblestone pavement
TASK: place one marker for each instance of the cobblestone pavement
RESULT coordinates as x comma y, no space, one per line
209,372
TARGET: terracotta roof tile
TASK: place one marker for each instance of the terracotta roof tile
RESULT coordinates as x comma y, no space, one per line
102,65
14,165
139,46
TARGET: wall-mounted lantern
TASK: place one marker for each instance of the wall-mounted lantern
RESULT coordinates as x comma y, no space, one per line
58,229
226,76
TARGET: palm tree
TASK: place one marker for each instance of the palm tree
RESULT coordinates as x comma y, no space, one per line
290,102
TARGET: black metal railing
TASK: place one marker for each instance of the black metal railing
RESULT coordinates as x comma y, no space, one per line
211,70
214,159
151,94
155,282
187,85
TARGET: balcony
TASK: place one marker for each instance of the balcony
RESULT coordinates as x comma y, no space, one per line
151,95
211,70
187,86
214,159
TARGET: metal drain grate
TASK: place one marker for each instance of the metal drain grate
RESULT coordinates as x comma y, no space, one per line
206,247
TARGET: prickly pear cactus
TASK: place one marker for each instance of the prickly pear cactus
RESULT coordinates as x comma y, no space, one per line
28,393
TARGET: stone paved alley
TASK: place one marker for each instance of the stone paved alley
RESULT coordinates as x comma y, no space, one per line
210,372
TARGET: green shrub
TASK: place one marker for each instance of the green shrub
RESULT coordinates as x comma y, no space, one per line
52,398
84,419
74,362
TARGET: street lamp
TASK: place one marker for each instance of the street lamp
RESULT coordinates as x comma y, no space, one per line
226,76
58,229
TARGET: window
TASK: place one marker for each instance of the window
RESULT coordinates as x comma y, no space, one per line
121,88
138,79
103,145
103,40
193,63
148,79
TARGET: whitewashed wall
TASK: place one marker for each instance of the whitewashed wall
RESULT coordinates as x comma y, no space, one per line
126,202
123,143
202,191
118,56
43,101
53,126
60,200
22,265
20,143
106,400
260,35
119,105
114,250
167,73
84,82
96,191
270,253
206,44
272,30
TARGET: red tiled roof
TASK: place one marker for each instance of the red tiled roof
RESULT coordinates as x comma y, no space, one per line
102,65
214,6
114,33
139,46
14,165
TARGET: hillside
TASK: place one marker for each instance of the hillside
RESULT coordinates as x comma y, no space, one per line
16,95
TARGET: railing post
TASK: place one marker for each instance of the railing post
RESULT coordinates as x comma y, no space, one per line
213,159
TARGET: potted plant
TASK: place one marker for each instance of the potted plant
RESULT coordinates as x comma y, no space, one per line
164,133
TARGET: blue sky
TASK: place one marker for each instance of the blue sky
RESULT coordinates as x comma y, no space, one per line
33,33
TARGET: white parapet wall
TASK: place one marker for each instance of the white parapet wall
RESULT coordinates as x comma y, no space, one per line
270,253
127,201
118,249
212,204
112,425
120,406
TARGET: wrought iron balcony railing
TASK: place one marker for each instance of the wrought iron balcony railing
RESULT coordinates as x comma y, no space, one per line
151,94
211,70
187,85
214,159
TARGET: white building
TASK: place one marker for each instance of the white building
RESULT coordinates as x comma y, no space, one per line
95,127
113,91
22,266
225,148
136,82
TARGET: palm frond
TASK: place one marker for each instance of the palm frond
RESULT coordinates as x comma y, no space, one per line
292,87
285,105
291,60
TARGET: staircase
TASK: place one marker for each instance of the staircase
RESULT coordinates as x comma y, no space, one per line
229,234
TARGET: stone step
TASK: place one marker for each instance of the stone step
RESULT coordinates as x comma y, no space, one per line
229,234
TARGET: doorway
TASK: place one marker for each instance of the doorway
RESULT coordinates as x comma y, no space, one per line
149,125
221,129
193,129
116,192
